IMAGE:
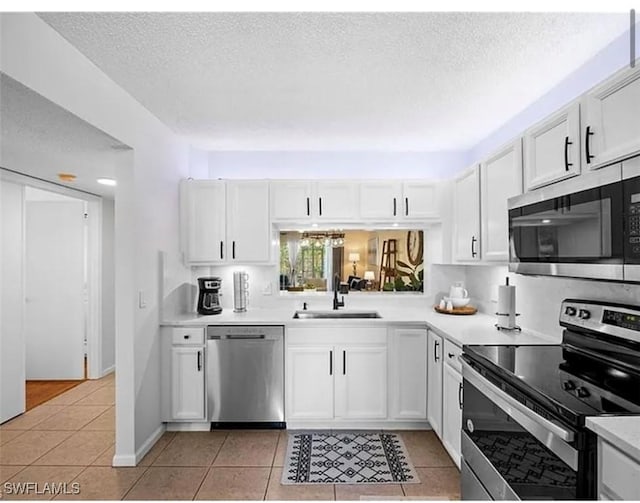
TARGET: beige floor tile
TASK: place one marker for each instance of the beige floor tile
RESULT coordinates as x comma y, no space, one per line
104,483
49,482
73,395
347,492
80,449
440,483
33,417
104,422
106,458
236,483
158,447
105,395
72,417
281,450
108,380
195,448
31,445
278,491
6,472
167,483
425,449
7,435
248,448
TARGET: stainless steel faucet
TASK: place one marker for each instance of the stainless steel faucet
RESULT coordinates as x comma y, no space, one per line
337,303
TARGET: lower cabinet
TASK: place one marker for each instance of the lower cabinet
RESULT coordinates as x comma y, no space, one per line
617,473
408,373
309,388
452,411
434,392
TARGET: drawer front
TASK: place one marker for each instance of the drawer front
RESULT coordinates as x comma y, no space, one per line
619,473
191,336
452,355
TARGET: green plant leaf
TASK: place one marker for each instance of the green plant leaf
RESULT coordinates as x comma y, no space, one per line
405,265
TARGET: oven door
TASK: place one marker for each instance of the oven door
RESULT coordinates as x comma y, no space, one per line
572,228
511,451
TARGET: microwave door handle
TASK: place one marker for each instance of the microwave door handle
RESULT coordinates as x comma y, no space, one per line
511,406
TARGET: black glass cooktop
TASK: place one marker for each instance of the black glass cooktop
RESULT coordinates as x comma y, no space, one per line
563,381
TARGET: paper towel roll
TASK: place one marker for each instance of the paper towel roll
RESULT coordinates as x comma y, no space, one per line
506,312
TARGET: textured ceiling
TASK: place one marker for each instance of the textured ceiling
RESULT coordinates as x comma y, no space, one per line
42,139
337,81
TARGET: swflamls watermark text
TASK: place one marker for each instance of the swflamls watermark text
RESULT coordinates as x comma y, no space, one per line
40,488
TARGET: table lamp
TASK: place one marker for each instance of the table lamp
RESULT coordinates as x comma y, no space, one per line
355,258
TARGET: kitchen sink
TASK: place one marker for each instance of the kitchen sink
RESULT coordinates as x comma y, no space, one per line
326,315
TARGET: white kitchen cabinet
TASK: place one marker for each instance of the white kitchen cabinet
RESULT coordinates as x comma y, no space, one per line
203,222
248,225
618,474
611,120
408,373
420,200
291,200
434,381
501,178
310,382
361,382
380,199
552,148
466,212
336,200
452,411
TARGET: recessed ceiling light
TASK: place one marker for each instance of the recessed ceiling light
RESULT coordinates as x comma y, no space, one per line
546,221
107,181
66,177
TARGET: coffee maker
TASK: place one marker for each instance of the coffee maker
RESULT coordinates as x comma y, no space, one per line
209,295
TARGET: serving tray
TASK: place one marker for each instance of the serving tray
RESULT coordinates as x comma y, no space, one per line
457,310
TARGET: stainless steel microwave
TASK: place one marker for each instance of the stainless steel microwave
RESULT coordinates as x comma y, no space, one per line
584,227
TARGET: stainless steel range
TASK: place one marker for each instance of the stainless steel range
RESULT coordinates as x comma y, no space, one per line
523,420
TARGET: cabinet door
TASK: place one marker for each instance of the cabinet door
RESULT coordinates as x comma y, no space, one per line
203,221
336,200
249,234
361,382
420,200
552,149
434,381
611,126
452,412
467,216
380,200
501,178
291,200
309,380
187,383
408,369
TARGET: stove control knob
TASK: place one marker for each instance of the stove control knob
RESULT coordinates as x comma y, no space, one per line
568,385
570,311
583,314
583,392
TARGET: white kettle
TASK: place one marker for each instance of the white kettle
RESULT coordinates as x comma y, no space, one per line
458,291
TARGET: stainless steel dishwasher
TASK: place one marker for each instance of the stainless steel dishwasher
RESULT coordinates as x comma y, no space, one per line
245,375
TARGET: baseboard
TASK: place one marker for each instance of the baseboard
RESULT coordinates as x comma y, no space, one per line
202,426
149,443
124,460
358,425
108,370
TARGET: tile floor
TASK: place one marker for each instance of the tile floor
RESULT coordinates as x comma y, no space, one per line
71,439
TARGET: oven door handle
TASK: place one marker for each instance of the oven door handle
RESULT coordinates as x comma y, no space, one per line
511,406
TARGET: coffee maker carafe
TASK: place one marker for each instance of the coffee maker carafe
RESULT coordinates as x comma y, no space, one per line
209,295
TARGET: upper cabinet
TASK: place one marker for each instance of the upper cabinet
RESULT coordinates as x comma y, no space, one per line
552,148
611,120
420,200
248,226
389,200
466,200
500,178
336,200
304,200
291,200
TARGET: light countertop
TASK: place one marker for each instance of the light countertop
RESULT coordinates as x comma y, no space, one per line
474,329
621,431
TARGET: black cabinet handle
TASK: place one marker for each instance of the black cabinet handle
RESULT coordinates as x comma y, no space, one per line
435,351
187,336
587,149
344,363
567,164
450,355
406,206
330,363
199,361
395,207
460,395
221,250
308,207
233,249
320,206
473,246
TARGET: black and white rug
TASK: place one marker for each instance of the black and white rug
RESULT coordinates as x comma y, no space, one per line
347,458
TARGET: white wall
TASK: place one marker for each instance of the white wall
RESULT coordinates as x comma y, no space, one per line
146,206
108,287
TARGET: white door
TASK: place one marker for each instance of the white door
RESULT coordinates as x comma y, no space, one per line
420,200
408,379
434,382
248,229
361,382
552,149
380,200
452,412
187,383
336,200
467,216
291,200
204,221
54,285
309,378
611,126
12,372
501,178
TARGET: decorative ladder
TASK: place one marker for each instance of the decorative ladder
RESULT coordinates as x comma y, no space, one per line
388,261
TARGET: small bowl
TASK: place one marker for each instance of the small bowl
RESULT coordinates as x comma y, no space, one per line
460,302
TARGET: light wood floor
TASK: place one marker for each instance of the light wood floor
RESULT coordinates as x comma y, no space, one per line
39,392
